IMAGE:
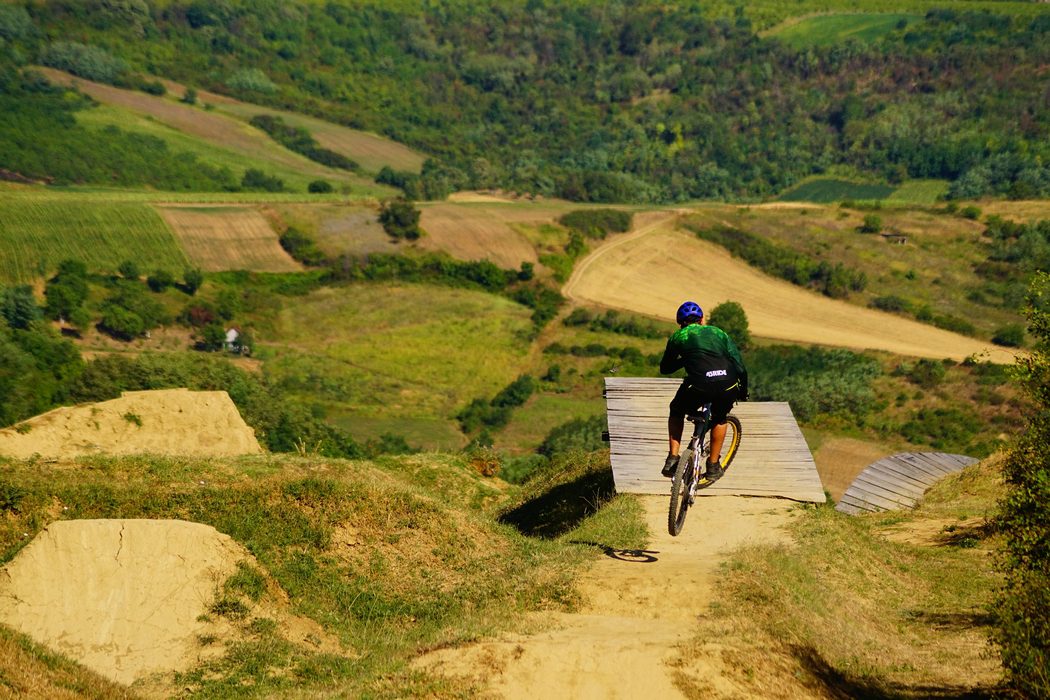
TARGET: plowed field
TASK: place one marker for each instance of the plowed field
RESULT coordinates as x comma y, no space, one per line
220,238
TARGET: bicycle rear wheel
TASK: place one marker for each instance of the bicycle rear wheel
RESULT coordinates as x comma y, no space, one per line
731,443
680,486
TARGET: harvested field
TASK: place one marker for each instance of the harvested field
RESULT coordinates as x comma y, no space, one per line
218,238
483,231
653,269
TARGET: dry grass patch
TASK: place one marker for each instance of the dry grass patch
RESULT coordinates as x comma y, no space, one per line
480,232
341,229
857,614
219,238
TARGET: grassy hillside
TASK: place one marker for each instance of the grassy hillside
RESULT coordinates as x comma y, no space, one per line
391,558
596,105
884,605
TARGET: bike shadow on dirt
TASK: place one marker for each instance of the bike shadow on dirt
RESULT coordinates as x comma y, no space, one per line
634,556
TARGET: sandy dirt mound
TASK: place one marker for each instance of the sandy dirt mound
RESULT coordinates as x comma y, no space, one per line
170,421
624,643
653,269
122,597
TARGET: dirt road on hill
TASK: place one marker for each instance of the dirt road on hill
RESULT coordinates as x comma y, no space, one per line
624,642
653,268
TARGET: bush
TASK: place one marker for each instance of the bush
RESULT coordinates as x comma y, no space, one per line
251,80
160,280
1022,606
121,323
255,179
301,247
891,303
128,270
597,223
730,317
88,62
319,187
872,224
400,219
578,434
971,212
192,279
1011,336
927,373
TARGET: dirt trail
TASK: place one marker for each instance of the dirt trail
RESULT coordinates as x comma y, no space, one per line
652,269
624,641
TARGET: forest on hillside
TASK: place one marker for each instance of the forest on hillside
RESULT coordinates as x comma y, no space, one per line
641,102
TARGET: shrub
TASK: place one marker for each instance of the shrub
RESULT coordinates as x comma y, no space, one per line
872,224
301,247
255,179
971,212
891,303
192,279
251,80
400,219
160,280
927,373
319,187
1011,335
1022,606
121,323
128,270
88,62
730,317
582,434
597,223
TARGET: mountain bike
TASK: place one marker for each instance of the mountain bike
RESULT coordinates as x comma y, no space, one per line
692,464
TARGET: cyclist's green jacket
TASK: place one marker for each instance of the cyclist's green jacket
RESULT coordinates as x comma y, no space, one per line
708,355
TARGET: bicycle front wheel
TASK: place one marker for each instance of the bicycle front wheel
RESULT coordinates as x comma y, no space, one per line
680,487
731,443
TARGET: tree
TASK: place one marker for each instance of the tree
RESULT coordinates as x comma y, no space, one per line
400,219
872,224
128,270
160,280
18,307
730,317
213,337
1023,604
193,279
67,290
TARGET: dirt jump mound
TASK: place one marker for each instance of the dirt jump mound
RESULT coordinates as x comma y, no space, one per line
170,421
126,598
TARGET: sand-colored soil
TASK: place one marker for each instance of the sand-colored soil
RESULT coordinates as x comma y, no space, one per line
223,237
170,421
653,269
122,597
638,609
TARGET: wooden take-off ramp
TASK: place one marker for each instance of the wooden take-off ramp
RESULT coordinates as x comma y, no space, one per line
773,459
898,481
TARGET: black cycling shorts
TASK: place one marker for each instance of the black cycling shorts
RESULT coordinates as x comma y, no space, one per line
690,397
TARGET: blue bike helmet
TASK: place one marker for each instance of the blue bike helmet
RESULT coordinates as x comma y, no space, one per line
688,312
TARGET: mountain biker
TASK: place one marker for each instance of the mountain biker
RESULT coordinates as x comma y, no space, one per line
715,374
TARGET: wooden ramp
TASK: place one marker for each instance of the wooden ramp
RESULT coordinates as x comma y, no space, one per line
774,459
898,481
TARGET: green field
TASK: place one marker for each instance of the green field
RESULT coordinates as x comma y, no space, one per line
827,190
828,30
296,177
920,191
35,235
398,357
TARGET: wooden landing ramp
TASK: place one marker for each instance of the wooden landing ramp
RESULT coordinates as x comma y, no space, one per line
898,481
773,460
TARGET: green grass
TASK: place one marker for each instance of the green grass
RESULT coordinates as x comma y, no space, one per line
295,178
827,190
827,30
35,235
882,605
389,558
768,14
920,191
395,354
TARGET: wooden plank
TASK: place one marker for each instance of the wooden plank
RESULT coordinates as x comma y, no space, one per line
899,481
773,459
